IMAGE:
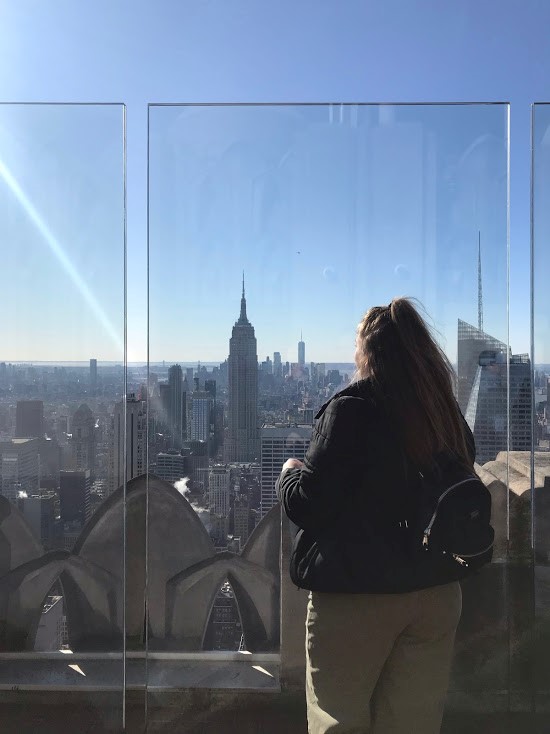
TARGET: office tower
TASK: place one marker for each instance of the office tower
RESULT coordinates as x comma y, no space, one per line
196,453
333,378
487,413
224,630
93,376
171,466
309,415
218,490
49,453
279,443
277,365
83,444
313,374
266,367
219,526
19,467
201,415
74,495
136,441
50,635
177,406
39,512
210,387
164,394
29,419
296,371
471,343
301,353
242,442
321,372
241,519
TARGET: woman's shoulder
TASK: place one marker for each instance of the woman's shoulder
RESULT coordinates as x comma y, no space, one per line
353,404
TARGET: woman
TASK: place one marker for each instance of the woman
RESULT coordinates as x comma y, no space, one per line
378,642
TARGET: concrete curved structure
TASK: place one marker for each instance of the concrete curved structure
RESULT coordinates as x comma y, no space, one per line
91,594
183,576
255,578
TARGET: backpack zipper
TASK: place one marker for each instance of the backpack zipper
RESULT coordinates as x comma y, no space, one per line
462,559
428,530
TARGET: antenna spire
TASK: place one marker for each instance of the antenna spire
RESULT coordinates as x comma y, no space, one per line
242,317
479,285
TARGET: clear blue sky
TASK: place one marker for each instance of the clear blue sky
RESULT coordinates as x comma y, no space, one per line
311,50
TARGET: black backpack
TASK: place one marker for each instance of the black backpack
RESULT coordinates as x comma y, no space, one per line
452,528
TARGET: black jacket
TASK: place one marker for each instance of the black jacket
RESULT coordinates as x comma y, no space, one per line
349,502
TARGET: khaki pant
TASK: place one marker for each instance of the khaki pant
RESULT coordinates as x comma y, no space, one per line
379,663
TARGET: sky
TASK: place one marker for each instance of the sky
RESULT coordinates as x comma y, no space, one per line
328,210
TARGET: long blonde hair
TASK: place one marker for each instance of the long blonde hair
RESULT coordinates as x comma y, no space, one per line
413,377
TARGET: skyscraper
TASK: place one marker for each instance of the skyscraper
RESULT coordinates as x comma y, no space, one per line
471,343
279,443
201,415
301,353
29,419
19,467
277,365
486,413
176,405
93,376
243,437
74,495
39,512
136,441
83,438
218,490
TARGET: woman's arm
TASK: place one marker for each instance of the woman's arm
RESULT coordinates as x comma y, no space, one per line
313,492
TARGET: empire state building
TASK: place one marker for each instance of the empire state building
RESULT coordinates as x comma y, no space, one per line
243,437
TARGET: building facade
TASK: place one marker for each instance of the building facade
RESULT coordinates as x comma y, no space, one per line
279,443
171,466
301,353
83,442
201,415
136,441
243,437
29,419
176,405
471,343
219,478
93,376
74,495
488,411
19,467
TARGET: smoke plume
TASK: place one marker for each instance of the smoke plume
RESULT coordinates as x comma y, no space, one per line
182,485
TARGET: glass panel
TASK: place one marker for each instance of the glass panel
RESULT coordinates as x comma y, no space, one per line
62,438
539,642
328,209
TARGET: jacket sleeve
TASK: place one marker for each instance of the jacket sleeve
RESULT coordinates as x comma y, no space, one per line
313,494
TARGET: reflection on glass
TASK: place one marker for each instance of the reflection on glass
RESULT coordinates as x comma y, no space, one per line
61,383
272,230
540,639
